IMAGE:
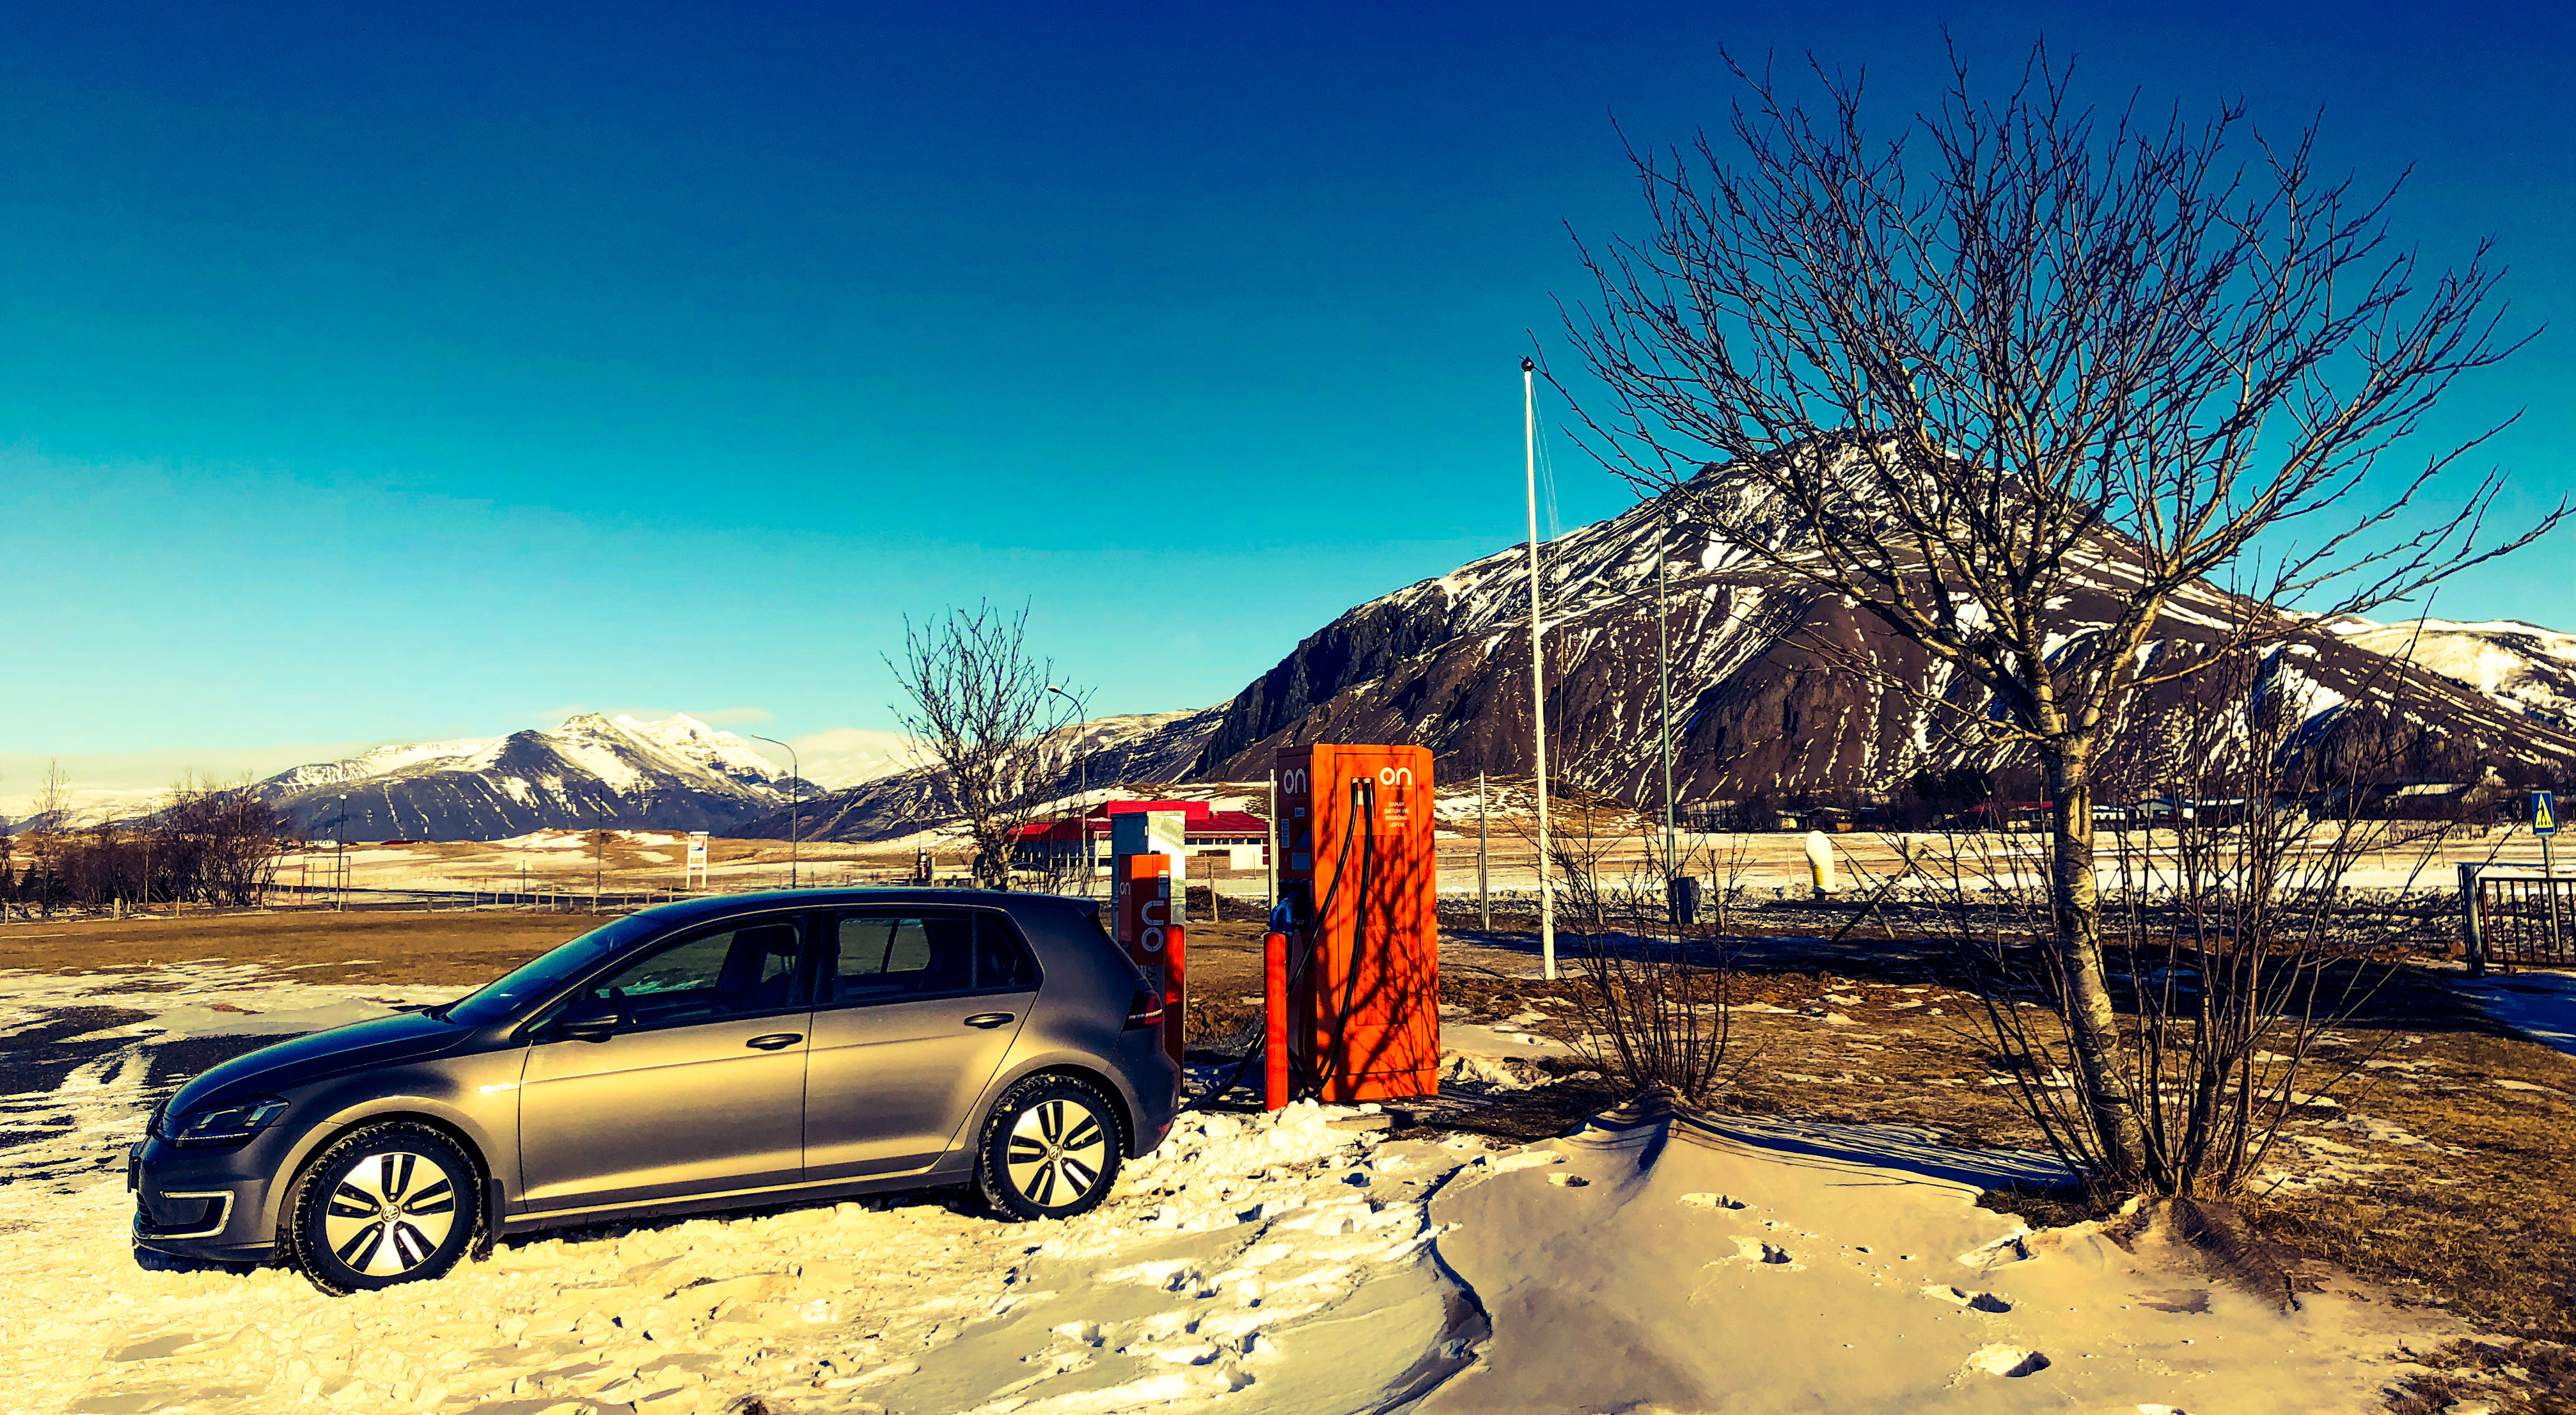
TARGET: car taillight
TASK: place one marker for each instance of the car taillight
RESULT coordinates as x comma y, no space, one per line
1145,1010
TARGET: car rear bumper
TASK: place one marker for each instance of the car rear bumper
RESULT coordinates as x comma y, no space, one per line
1154,1079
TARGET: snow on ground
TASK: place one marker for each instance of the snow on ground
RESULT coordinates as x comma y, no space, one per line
1669,1264
1270,1263
1224,1274
1252,1263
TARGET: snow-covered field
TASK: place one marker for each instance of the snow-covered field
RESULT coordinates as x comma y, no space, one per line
1253,1264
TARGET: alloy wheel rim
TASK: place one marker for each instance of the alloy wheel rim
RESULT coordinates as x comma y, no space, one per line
1057,1152
390,1212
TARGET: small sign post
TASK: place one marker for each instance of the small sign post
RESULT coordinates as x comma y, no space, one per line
694,874
2544,823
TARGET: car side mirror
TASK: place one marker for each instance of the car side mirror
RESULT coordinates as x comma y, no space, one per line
589,1019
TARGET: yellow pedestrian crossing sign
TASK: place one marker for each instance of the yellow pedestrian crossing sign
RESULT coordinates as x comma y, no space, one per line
2544,813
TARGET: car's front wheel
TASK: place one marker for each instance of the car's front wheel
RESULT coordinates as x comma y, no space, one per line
1050,1149
388,1203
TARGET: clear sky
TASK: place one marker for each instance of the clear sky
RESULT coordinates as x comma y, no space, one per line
372,376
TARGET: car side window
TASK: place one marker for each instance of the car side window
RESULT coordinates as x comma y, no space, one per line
1002,961
899,956
728,972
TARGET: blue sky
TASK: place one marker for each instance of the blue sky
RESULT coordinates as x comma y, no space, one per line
369,377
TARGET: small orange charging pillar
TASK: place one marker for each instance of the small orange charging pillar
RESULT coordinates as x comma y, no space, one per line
1142,899
1361,877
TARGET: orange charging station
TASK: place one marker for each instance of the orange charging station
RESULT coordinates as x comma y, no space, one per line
1352,965
1147,915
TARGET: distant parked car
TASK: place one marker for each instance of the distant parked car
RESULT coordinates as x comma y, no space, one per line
751,1049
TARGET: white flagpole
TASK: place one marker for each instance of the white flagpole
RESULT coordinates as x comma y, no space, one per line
1538,673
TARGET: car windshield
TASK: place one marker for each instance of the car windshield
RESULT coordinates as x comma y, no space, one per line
497,1000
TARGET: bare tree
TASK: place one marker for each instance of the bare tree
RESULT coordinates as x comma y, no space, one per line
53,809
2022,354
2238,942
977,709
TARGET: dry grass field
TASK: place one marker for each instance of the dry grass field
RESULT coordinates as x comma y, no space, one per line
450,948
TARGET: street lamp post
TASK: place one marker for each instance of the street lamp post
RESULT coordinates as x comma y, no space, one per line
795,802
1081,790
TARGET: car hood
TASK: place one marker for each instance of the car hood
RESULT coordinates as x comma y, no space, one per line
299,1060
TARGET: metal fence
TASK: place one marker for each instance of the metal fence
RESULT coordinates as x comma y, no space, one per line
2518,920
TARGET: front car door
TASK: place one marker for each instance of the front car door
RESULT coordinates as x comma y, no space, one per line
700,1089
915,1009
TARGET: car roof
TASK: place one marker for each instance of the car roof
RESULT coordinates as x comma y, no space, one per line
718,905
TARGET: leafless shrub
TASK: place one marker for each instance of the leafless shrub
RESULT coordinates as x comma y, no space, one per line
1653,1000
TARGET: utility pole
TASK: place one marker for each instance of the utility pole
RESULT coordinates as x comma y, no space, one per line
342,906
1538,674
795,803
1484,862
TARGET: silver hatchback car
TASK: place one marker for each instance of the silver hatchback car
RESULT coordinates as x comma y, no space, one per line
755,1049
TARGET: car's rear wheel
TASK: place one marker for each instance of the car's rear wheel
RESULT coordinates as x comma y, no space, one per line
1050,1149
385,1204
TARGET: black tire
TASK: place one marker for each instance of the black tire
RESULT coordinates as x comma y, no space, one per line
1050,1149
384,1204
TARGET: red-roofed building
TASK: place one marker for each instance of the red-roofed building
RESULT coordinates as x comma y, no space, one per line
1243,838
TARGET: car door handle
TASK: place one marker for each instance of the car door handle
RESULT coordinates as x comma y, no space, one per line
775,1040
988,1019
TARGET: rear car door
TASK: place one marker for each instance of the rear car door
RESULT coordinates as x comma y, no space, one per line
700,1089
915,1009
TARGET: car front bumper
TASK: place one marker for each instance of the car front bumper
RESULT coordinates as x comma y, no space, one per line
205,1203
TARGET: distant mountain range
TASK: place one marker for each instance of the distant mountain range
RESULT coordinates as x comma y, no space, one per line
1777,691
675,774
1142,748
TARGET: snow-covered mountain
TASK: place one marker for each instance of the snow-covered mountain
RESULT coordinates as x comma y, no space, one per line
1780,690
2523,666
1777,690
674,774
82,807
1132,749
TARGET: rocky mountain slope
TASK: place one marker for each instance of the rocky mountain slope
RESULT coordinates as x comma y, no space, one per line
675,774
1779,691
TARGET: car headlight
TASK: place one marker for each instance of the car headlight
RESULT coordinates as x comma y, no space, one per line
226,1124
